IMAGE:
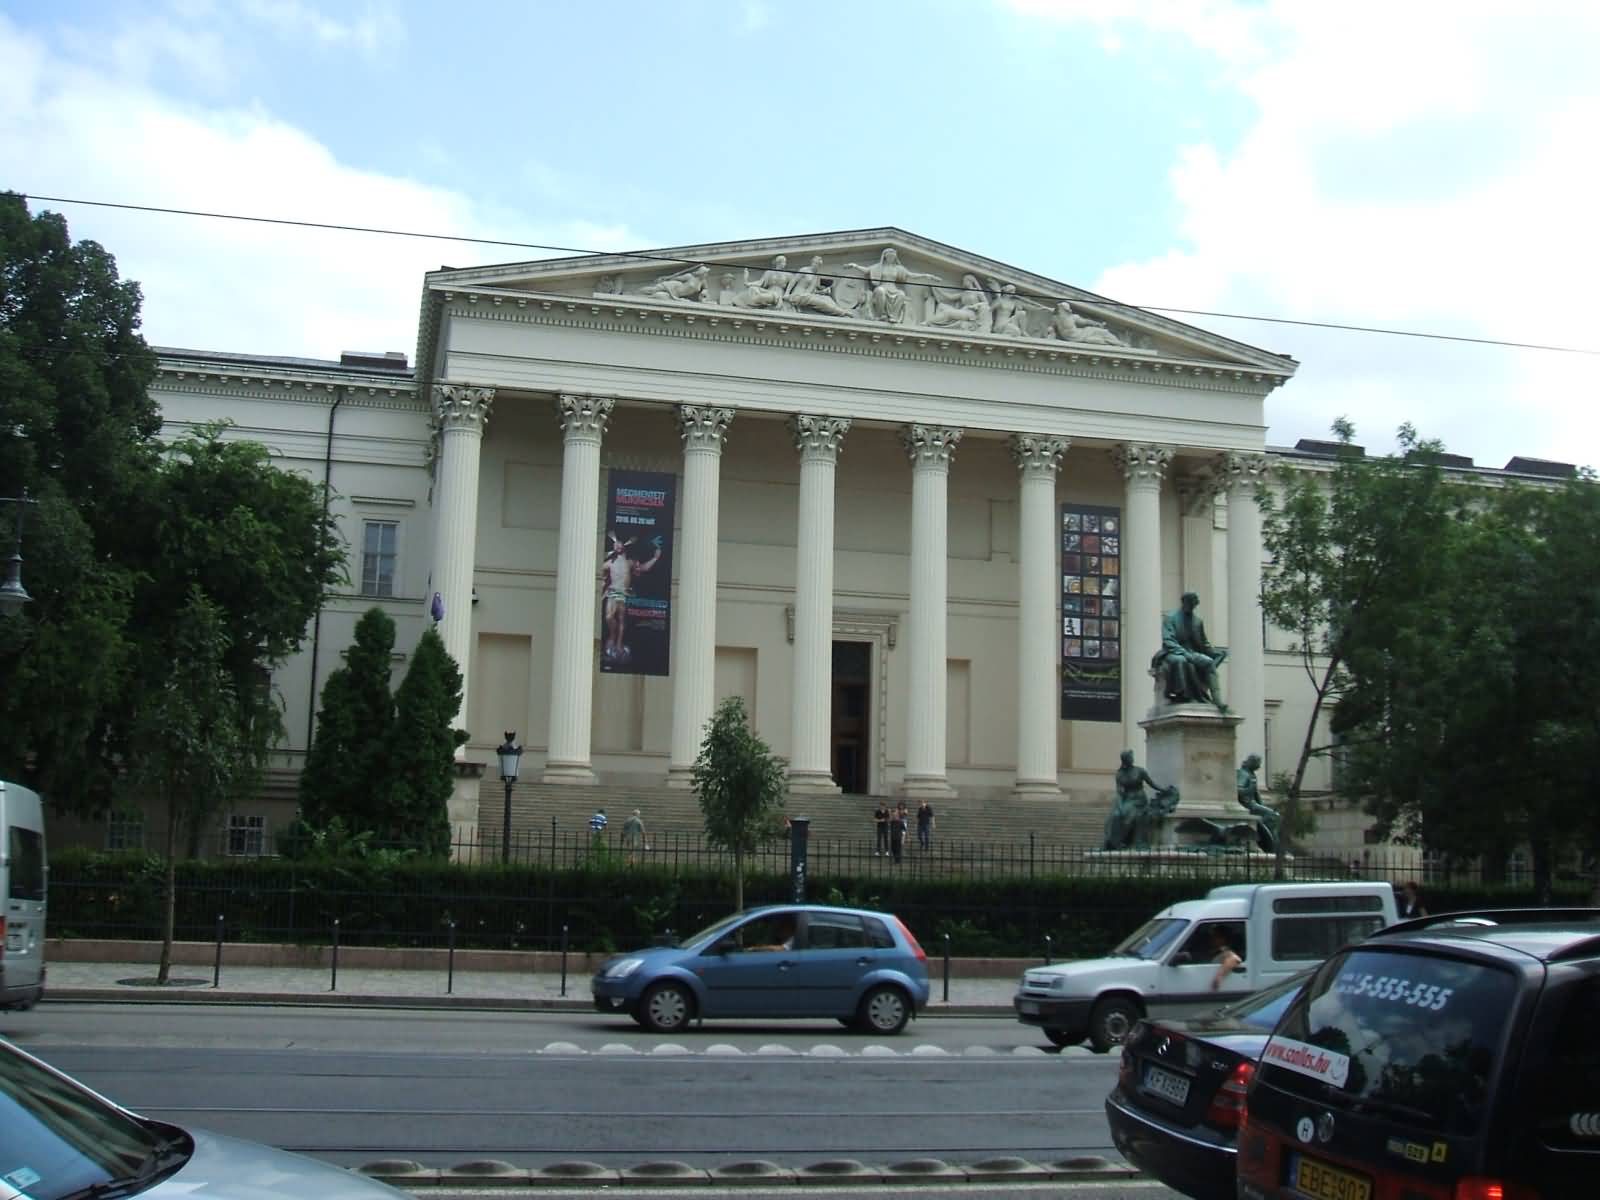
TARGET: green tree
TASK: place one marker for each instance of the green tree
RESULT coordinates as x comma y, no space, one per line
195,752
740,783
77,433
347,769
126,528
422,749
1359,559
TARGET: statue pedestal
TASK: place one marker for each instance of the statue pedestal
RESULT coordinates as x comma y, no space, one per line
1192,745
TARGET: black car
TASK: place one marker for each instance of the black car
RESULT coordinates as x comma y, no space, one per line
1175,1110
1447,1058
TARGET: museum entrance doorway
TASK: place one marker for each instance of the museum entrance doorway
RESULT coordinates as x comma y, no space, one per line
852,666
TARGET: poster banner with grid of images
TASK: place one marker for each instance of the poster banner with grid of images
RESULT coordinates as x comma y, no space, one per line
1091,613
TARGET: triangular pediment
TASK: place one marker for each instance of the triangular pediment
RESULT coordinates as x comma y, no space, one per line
874,278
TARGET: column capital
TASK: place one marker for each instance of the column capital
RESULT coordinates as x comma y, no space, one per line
818,437
1036,456
929,445
584,416
1142,465
458,406
703,428
1198,490
1242,472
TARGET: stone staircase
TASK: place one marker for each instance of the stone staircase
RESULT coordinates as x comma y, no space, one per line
1007,821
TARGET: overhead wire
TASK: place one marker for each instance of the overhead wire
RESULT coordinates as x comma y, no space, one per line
644,256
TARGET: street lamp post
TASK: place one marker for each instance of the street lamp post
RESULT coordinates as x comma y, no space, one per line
12,594
510,758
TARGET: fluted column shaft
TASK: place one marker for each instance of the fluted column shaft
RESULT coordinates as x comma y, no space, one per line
817,439
930,450
1244,674
694,619
583,423
460,415
1143,468
1038,604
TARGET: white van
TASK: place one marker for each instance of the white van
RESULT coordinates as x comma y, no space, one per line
1167,966
23,878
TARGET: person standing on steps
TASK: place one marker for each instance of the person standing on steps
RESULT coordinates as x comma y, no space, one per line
880,829
897,831
924,825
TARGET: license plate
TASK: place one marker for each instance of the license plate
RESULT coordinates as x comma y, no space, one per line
1028,1006
1322,1182
1166,1085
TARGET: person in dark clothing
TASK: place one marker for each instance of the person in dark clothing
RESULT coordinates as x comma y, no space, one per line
924,825
880,828
897,831
1411,901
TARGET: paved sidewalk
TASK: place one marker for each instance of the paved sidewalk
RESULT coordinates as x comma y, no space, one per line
405,987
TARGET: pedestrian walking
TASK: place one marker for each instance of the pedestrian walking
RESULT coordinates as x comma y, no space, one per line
1411,905
897,831
924,825
633,837
880,829
597,825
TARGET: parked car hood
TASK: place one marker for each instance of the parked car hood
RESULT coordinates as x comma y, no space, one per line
226,1168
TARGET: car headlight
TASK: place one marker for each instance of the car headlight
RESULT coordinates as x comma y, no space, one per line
623,967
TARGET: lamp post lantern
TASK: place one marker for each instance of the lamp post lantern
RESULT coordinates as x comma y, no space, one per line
510,758
13,596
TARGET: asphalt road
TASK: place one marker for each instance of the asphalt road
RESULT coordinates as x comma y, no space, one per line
446,1086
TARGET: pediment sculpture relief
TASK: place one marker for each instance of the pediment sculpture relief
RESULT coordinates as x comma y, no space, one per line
885,291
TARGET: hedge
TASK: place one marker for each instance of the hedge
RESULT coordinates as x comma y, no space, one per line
603,904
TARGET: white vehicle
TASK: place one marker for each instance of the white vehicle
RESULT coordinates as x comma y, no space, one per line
22,897
1168,966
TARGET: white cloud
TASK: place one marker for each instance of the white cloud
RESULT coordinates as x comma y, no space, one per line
371,28
1408,165
82,132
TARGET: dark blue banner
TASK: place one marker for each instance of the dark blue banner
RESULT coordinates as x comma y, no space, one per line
636,574
1091,613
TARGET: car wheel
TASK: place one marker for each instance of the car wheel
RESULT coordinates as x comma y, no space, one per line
1111,1022
666,1008
1063,1037
884,1010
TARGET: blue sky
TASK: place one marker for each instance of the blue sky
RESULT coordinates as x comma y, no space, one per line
1421,165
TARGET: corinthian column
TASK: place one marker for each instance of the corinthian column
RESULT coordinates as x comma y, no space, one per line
1143,468
818,440
583,423
1038,632
930,449
694,623
459,414
1244,674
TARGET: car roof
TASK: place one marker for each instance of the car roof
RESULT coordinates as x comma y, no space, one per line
1547,934
816,908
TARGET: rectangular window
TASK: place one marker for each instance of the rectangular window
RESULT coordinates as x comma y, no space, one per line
125,831
1312,939
27,864
380,541
247,836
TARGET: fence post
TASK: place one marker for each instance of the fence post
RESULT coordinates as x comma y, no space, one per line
947,968
216,967
1047,959
550,907
334,986
563,960
450,974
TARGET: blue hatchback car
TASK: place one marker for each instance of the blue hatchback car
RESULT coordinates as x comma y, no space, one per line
863,968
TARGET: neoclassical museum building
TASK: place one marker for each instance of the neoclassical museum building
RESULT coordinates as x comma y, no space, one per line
921,510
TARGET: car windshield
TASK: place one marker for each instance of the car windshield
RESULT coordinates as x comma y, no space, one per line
57,1138
714,930
1152,938
1412,1037
1262,1009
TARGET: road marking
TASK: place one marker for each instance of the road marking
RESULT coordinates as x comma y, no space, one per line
819,1050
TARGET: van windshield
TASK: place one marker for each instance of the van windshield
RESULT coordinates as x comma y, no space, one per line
1409,1037
1152,938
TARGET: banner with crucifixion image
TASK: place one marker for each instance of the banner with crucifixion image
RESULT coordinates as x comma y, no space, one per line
636,574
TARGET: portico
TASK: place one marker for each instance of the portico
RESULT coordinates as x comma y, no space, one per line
868,543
